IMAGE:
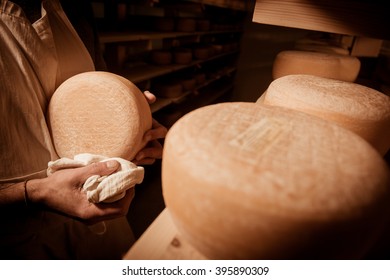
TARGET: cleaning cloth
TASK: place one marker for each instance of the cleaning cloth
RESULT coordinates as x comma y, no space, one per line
102,188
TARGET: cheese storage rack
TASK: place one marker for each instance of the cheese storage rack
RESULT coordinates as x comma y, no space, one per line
368,42
131,31
361,27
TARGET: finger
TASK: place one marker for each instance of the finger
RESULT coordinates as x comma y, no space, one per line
158,131
153,151
156,124
105,211
98,168
150,97
145,161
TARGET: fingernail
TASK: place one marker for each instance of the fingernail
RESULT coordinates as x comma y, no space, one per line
112,164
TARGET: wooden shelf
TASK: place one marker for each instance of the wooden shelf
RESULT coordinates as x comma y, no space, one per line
214,93
209,96
357,18
131,36
240,5
164,102
162,241
145,71
127,50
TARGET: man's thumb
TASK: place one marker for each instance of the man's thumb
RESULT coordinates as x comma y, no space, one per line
100,168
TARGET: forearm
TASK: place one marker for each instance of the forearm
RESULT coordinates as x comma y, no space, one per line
12,195
62,192
19,194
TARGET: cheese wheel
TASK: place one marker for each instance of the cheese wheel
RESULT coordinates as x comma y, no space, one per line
203,25
335,66
200,78
98,113
261,98
250,181
183,56
161,57
358,108
201,52
168,89
165,24
188,83
185,24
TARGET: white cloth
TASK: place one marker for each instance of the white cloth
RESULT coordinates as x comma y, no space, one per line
102,188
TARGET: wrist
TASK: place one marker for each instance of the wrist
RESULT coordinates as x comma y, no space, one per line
32,191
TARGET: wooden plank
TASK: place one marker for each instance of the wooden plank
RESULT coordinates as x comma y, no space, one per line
145,71
229,4
162,241
162,102
357,18
117,37
131,36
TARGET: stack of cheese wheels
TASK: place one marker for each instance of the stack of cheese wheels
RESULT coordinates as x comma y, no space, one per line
98,113
250,181
327,65
358,108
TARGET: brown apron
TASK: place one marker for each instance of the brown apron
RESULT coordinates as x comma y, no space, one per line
34,60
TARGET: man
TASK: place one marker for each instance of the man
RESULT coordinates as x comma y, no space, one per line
50,217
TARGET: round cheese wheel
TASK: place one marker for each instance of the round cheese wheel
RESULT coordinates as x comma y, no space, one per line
203,25
98,113
185,24
358,108
161,57
188,83
335,66
165,24
201,52
250,181
261,98
218,48
200,78
183,56
168,89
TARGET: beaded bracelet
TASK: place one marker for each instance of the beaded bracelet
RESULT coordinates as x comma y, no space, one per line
26,198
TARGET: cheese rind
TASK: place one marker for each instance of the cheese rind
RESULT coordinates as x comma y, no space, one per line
327,65
249,181
358,108
98,113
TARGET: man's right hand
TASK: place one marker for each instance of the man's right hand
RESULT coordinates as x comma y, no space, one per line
62,192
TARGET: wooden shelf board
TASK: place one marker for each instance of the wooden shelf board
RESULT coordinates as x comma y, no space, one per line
162,241
206,97
229,4
160,103
163,102
148,71
357,18
213,94
131,36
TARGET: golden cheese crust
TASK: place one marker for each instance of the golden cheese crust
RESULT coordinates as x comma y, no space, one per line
98,113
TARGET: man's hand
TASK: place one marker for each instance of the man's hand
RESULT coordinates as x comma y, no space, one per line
62,192
153,148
